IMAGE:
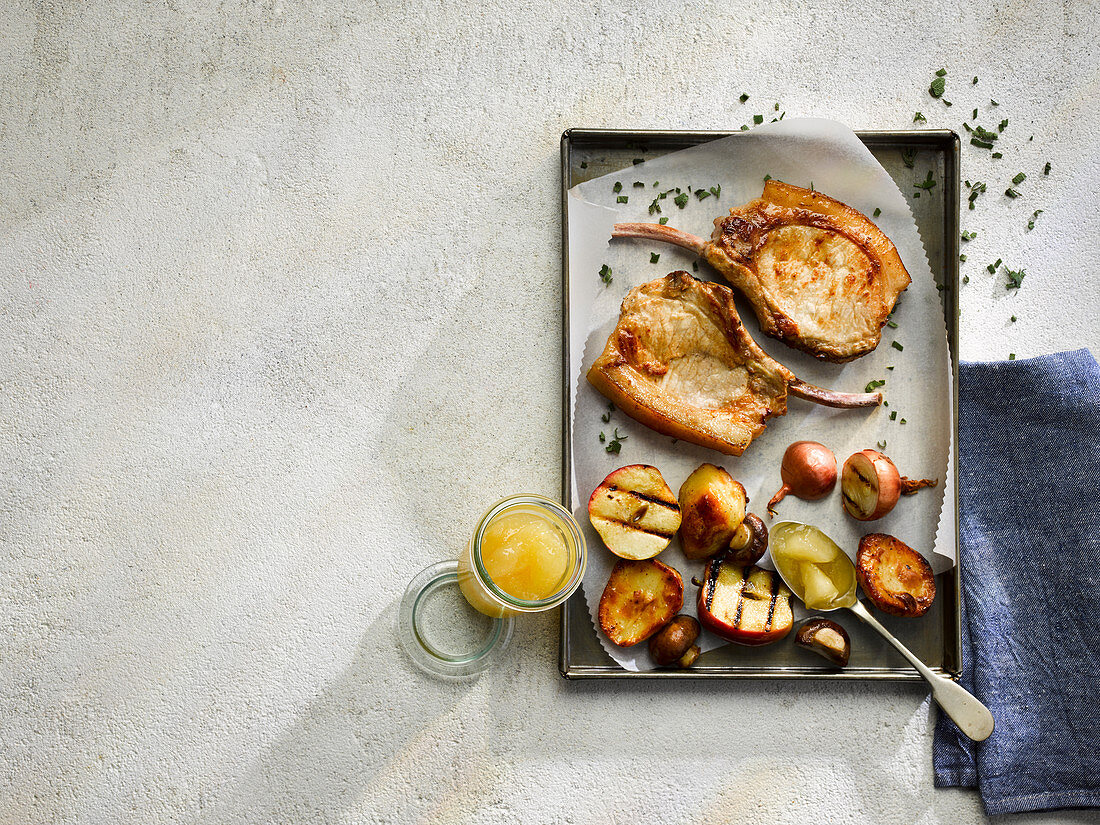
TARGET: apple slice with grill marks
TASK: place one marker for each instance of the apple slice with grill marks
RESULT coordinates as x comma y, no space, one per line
640,598
634,511
746,605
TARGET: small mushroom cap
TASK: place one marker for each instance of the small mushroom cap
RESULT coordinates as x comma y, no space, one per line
826,638
674,640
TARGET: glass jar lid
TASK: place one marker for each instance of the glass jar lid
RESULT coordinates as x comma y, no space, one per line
442,633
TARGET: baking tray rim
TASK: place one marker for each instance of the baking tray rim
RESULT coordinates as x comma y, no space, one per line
945,140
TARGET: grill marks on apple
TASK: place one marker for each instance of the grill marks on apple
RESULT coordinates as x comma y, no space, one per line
746,605
635,512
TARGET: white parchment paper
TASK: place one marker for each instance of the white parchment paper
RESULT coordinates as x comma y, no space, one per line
918,377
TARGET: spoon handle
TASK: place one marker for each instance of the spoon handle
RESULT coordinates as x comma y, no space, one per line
972,717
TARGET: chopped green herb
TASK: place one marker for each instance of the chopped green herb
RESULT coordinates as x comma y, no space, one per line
937,88
655,206
636,161
616,442
966,279
967,127
946,102
968,236
606,417
962,258
1002,124
893,415
618,187
975,115
981,144
1034,215
903,421
927,183
716,190
889,368
993,102
622,199
702,193
1012,356
992,268
1012,193
663,221
976,189
876,213
892,324
681,200
916,194
1014,278
984,134
654,257
744,97
757,119
767,178
1013,318
974,82
886,403
897,346
873,385
881,444
1046,169
907,157
639,185
919,118
603,438
996,155
941,72
777,106
605,274
1020,178
744,128
584,164
656,183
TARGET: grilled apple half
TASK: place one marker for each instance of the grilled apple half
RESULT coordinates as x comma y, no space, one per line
747,605
895,577
635,512
641,597
712,506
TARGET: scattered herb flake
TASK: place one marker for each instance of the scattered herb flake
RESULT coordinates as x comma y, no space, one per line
744,97
655,206
946,102
903,421
622,199
873,385
1012,356
618,187
654,257
777,106
941,72
897,346
757,119
966,279
962,258
1012,193
892,324
984,134
968,236
889,368
702,193
893,415
606,417
936,89
605,274
663,221
907,157
1014,278
992,268
975,115
636,161
974,82
1013,318
603,438
996,155
927,183
616,443
681,200
1046,169
1002,124
584,164
876,213
767,178
993,102
919,118
1020,178
716,190
744,128
1034,215
881,444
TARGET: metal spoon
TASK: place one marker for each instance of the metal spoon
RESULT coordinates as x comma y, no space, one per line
972,717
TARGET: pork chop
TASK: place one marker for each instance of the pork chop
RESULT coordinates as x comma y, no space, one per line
820,276
680,361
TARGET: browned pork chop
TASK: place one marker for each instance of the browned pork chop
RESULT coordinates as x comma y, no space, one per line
680,361
821,276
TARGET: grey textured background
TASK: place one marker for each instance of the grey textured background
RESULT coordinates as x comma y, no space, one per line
280,316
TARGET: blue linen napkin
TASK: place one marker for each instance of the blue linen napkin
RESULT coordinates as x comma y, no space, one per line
1029,479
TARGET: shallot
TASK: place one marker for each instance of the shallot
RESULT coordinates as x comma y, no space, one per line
808,471
870,485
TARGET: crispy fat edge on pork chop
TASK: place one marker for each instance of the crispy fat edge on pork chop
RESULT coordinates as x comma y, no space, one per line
629,372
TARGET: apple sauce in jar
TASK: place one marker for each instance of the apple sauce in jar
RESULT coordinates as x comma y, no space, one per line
526,555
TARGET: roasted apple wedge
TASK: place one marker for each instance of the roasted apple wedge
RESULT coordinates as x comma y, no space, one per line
746,605
641,597
712,506
894,576
635,512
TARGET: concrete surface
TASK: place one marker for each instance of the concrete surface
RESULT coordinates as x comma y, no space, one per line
280,316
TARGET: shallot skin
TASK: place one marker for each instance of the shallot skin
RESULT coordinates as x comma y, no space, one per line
808,472
889,484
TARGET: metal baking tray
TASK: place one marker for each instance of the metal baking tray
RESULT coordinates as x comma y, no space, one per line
936,637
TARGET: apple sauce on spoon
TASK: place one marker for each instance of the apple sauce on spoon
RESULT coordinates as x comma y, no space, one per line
818,572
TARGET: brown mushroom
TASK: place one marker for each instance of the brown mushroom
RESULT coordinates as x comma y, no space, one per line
826,638
675,642
749,542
